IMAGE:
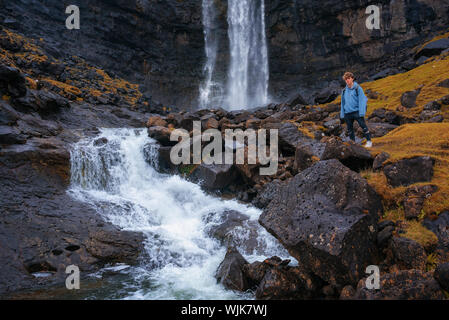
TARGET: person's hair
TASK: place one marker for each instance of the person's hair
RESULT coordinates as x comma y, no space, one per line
348,75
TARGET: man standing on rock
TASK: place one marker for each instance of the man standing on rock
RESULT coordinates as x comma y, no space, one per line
353,107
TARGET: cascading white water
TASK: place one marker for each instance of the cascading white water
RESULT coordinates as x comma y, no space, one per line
118,178
248,73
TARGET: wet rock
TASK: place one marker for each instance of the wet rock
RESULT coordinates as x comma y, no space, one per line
402,285
326,218
379,160
230,271
328,94
214,176
440,226
408,99
408,254
441,274
444,83
414,199
297,99
409,171
349,153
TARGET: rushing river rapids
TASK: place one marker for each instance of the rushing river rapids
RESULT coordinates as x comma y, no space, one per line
115,173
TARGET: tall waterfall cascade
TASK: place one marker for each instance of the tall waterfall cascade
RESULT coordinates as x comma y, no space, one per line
115,172
246,83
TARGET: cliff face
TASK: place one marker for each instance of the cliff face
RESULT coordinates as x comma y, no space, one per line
160,43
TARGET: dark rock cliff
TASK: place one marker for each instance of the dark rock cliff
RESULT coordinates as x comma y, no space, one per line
160,43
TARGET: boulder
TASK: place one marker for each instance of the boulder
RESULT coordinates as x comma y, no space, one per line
444,84
408,99
42,101
379,160
414,199
441,274
433,105
230,271
11,135
12,81
156,121
8,116
214,176
379,129
433,48
402,285
307,153
348,153
161,135
409,171
408,254
326,218
228,228
267,193
289,137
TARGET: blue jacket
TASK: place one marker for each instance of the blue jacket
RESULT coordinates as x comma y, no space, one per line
353,99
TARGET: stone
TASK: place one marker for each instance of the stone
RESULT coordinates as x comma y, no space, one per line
408,254
408,99
230,271
214,176
433,48
408,171
379,160
161,135
414,199
349,154
402,285
326,217
12,81
289,137
441,274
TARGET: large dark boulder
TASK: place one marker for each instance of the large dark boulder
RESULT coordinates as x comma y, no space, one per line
402,285
230,271
307,153
409,171
326,218
348,153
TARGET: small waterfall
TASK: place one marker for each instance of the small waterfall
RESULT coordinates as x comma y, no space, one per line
115,173
248,74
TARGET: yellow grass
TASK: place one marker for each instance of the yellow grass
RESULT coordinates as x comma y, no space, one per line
418,139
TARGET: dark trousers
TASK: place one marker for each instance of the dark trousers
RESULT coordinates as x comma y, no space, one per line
349,119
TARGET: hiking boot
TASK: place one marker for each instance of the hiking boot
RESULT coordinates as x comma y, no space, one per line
368,144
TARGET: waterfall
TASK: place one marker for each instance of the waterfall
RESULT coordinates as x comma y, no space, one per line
115,173
248,74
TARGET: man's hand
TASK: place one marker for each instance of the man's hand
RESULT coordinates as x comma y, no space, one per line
342,120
